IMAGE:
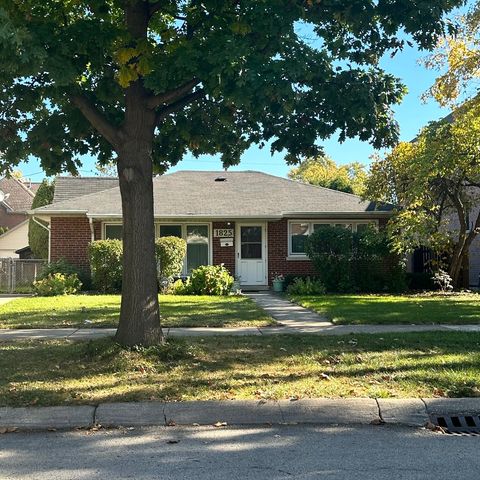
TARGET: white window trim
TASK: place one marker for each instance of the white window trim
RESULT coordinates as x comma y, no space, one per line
108,224
333,221
183,226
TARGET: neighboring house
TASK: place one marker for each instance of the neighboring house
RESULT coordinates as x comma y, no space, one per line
253,223
17,201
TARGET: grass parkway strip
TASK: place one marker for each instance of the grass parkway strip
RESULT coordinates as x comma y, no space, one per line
222,368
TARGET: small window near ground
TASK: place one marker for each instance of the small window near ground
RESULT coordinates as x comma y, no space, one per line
113,232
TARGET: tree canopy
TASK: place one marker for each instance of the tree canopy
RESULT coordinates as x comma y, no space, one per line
143,82
457,58
253,74
324,172
435,183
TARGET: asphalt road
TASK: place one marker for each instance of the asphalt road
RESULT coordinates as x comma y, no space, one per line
285,452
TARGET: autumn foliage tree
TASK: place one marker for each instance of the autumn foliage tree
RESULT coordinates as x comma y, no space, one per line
143,82
324,172
435,183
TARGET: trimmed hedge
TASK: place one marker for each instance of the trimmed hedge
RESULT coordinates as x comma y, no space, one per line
106,265
349,261
170,253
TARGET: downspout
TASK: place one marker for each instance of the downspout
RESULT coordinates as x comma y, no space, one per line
47,228
92,231
92,237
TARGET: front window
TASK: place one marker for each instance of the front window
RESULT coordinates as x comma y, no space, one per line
299,232
171,231
197,246
113,232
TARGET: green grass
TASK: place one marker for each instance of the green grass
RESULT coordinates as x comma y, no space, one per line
276,367
103,311
395,309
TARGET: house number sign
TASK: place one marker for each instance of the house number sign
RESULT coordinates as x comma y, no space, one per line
223,232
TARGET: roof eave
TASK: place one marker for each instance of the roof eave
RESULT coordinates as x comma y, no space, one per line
363,214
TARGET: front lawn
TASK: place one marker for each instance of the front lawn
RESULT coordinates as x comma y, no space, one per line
395,309
103,311
273,367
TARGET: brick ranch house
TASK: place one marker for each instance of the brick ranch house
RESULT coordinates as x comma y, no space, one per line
252,222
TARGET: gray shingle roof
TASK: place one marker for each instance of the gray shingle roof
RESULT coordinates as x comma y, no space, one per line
194,193
73,187
20,195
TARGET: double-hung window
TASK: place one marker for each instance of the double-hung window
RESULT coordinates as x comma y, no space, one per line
198,243
298,232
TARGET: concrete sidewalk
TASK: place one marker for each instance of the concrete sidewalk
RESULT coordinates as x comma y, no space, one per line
352,411
10,335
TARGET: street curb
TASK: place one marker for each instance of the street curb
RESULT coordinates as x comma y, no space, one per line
412,412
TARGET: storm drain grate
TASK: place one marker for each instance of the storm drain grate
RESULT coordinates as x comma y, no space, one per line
457,424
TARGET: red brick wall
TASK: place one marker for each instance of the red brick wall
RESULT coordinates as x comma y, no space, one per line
225,255
69,240
278,252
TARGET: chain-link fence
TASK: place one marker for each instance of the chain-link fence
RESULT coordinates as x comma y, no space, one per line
17,275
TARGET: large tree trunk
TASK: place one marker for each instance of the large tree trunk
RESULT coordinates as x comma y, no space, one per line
457,261
139,316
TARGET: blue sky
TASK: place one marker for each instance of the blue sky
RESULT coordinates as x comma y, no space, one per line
411,115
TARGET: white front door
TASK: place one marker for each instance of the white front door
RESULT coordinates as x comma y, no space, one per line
251,254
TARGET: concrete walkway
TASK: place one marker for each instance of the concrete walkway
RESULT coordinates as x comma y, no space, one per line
287,313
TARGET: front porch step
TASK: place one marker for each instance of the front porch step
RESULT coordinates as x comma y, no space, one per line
255,288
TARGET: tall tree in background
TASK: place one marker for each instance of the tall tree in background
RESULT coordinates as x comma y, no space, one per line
37,235
435,181
457,57
144,82
324,172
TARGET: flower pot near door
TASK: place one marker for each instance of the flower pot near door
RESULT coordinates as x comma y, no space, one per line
277,286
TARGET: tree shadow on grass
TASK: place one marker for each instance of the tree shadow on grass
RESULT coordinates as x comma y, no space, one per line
46,373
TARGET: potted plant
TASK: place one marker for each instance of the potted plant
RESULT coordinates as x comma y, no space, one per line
277,282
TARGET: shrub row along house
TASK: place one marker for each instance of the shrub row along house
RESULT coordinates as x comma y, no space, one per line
253,223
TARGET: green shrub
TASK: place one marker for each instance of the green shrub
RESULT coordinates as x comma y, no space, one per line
65,268
211,280
180,287
306,286
349,261
106,265
57,284
170,253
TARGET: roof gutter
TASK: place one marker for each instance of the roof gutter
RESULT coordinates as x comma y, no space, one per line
373,214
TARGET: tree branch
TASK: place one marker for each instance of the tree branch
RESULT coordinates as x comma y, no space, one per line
165,111
172,95
97,119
